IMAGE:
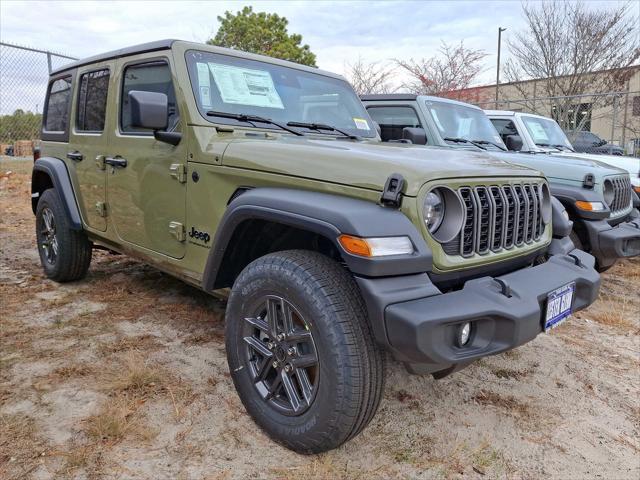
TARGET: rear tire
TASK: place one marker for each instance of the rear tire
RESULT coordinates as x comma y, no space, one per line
65,254
301,352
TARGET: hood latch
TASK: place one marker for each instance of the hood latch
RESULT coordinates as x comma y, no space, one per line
392,192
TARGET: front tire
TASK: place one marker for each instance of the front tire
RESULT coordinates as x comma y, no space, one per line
65,254
301,352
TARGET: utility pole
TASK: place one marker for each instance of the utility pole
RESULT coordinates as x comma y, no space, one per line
500,30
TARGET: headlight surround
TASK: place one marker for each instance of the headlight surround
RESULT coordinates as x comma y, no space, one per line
608,192
545,201
443,213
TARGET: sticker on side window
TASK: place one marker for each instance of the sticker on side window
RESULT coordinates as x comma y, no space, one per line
361,123
245,86
204,85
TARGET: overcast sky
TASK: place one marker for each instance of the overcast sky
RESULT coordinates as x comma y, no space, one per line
337,32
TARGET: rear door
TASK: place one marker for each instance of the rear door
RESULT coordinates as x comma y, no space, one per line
147,192
88,140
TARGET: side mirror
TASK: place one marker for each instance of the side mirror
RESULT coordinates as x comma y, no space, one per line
149,110
513,142
415,135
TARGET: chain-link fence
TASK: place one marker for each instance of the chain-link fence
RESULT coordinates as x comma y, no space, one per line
611,118
23,82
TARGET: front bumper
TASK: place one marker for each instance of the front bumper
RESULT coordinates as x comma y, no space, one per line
608,243
421,332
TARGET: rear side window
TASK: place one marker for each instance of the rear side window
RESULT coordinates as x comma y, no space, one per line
148,77
56,119
92,101
393,119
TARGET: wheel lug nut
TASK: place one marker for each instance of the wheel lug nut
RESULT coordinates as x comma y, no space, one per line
270,345
291,351
280,337
288,368
275,364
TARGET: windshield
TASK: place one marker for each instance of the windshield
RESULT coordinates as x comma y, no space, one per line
222,83
546,133
460,122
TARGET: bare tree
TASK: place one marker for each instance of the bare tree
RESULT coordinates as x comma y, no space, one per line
453,70
370,77
563,43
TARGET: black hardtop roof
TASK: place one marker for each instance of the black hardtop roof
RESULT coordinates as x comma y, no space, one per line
389,96
123,52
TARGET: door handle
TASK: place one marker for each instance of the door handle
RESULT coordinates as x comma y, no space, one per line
75,156
116,161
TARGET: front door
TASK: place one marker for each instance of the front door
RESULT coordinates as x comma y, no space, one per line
88,139
146,179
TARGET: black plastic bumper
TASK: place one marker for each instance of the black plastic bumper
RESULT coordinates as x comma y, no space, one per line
422,332
608,243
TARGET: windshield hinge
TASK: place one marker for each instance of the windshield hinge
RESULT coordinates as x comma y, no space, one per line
178,171
589,181
392,192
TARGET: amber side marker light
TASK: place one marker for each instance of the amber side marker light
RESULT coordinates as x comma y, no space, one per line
376,246
637,189
590,206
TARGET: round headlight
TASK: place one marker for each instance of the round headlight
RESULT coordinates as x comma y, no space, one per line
608,192
433,210
443,214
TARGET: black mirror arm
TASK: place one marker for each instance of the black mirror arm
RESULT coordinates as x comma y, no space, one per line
172,138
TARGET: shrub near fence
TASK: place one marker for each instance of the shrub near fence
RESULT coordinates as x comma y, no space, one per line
24,73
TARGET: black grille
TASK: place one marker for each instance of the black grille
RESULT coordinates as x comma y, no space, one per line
621,194
498,217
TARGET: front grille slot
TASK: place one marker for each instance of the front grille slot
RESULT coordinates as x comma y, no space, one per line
621,194
498,218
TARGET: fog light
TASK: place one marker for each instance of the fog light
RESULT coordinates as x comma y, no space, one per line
464,333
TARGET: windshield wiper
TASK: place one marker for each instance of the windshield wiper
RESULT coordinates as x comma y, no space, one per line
322,126
487,142
463,140
241,117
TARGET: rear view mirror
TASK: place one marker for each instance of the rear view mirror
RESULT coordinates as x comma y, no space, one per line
513,142
149,110
415,135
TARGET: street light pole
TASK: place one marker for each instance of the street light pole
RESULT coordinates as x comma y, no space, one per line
500,30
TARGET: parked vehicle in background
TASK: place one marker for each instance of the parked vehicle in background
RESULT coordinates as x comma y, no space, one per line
237,171
587,142
597,196
525,132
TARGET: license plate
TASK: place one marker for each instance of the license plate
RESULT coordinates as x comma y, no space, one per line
558,306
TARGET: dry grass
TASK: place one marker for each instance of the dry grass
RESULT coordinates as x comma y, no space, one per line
505,402
135,376
619,313
118,417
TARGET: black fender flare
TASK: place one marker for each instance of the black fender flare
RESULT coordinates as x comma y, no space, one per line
568,195
328,215
562,226
58,174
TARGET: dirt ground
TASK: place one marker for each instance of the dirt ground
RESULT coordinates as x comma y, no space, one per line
123,375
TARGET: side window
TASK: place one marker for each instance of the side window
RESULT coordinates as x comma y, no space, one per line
393,119
56,118
92,101
504,127
148,77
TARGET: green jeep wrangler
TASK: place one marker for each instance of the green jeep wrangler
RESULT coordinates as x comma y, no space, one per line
241,172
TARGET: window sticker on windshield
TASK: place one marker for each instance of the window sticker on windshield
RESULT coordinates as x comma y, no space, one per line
538,133
204,85
245,86
361,123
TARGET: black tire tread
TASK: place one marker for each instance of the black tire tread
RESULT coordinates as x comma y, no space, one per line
74,255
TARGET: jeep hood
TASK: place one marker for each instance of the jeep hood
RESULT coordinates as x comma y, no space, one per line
630,164
562,167
363,164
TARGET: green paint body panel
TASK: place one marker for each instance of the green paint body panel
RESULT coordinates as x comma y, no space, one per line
144,198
